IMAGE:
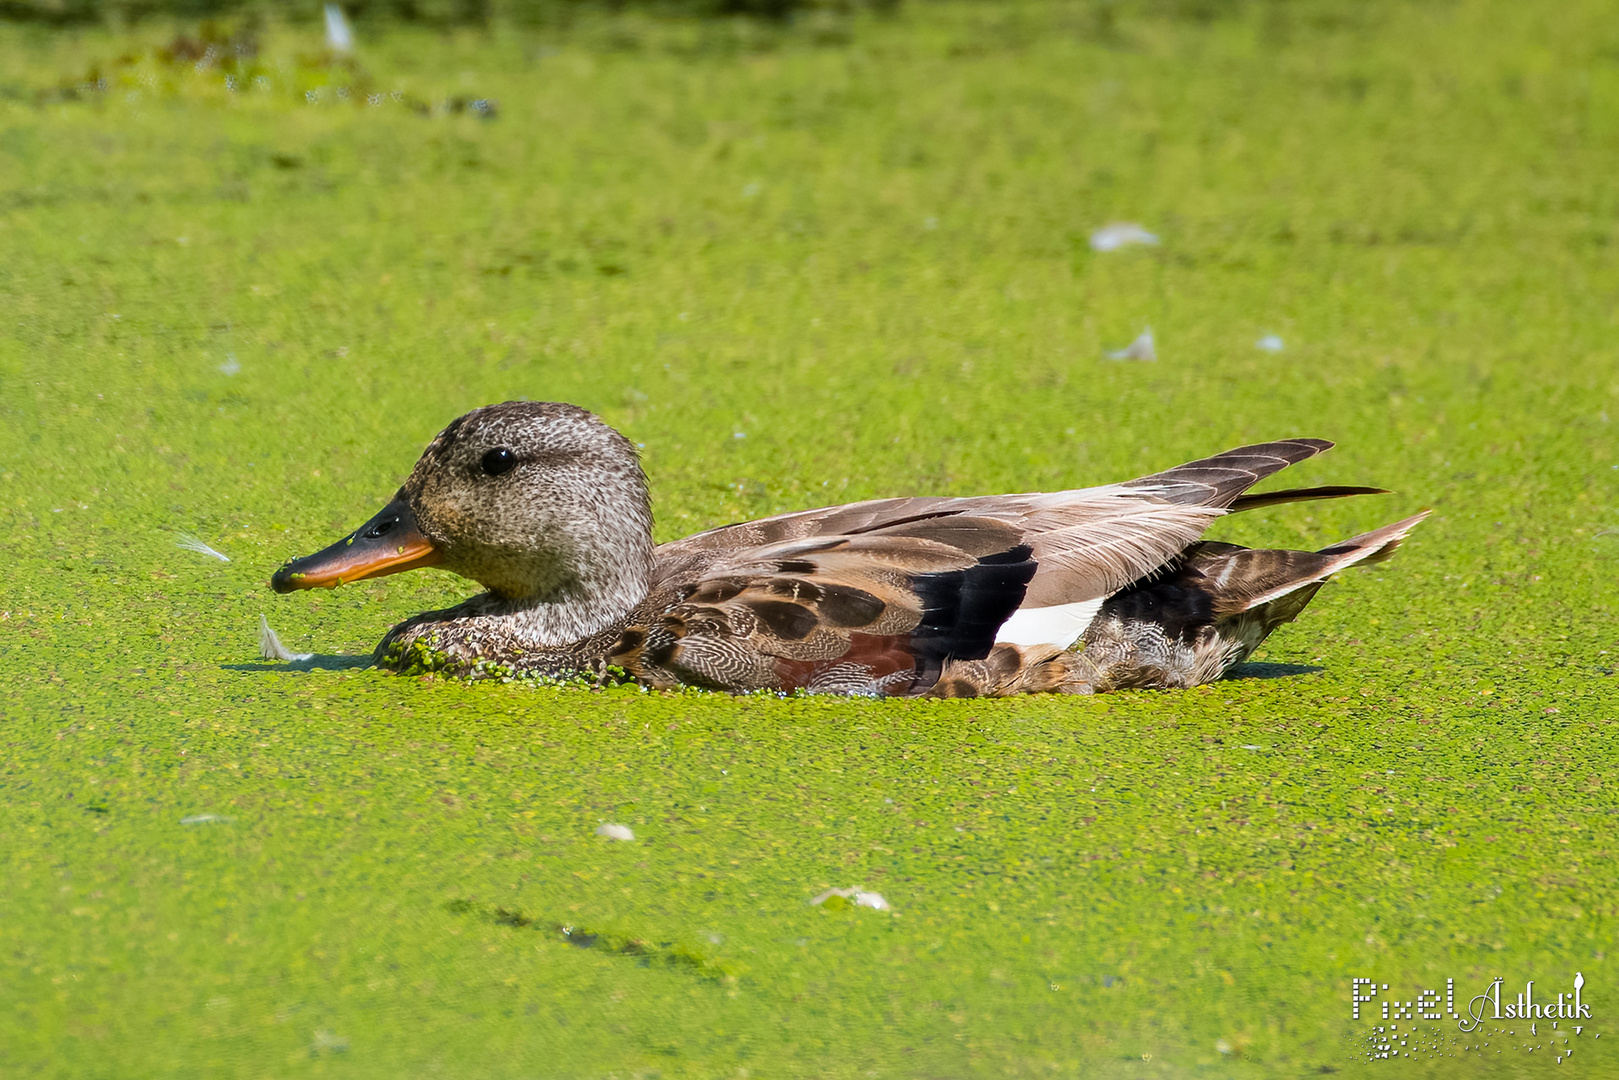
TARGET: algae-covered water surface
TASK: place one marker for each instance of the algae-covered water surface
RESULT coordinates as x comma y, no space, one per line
803,268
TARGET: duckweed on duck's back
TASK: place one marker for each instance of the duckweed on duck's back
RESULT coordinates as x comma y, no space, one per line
240,317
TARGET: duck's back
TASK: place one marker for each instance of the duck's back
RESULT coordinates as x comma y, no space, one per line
980,595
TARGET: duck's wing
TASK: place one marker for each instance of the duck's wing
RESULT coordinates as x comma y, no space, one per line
876,613
881,594
1087,543
884,610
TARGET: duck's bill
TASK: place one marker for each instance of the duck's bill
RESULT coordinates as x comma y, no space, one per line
389,543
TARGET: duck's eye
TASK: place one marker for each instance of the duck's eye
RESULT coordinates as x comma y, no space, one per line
499,461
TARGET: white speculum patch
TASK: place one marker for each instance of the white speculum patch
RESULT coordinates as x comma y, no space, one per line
1059,625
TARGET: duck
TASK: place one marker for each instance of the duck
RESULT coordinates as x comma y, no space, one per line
1082,591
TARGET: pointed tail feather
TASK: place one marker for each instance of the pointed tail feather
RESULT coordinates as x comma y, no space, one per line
1369,547
1378,544
1257,499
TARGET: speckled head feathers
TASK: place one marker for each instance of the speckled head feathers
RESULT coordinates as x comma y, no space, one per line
535,500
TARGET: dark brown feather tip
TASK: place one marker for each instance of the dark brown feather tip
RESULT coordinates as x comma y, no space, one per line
1254,500
1217,480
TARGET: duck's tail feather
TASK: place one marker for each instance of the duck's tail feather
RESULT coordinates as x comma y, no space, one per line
1246,578
1378,544
1255,500
1209,614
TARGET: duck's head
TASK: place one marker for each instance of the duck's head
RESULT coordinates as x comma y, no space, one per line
541,503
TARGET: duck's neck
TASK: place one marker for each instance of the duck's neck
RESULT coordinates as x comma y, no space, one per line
595,593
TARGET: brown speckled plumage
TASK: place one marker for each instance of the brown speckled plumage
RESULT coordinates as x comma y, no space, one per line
1077,591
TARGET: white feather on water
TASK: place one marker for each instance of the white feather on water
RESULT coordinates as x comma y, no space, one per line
861,898
191,543
270,647
1120,234
1142,348
339,38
